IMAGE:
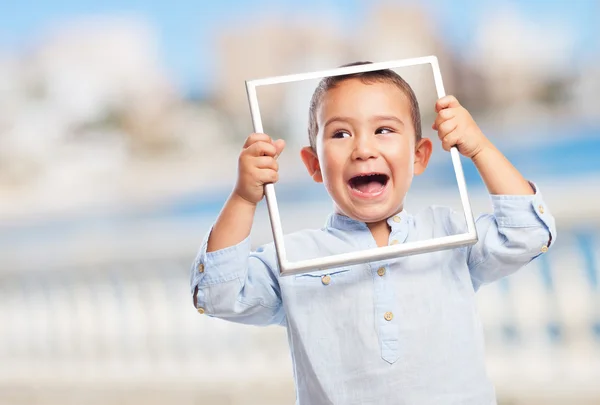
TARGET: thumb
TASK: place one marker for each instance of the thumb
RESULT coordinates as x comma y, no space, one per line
279,145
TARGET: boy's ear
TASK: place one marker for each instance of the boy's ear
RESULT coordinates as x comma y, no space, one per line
422,154
311,161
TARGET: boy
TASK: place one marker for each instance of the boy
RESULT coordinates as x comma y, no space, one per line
401,331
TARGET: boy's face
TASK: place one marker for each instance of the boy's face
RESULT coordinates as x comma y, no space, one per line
366,153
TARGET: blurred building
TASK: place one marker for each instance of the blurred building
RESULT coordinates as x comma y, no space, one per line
278,46
89,112
274,47
582,94
526,66
393,31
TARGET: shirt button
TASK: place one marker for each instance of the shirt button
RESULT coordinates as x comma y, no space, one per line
541,209
200,310
326,279
396,218
394,242
381,271
388,316
201,268
544,249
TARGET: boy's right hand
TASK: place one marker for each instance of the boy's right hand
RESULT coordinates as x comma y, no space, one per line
257,166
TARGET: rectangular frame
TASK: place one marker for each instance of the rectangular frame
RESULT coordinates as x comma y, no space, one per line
375,254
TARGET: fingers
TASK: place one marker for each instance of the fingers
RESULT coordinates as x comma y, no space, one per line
258,159
265,162
261,148
257,166
263,145
450,140
266,169
444,115
265,176
446,102
446,127
253,138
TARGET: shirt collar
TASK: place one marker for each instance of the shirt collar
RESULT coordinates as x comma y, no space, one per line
344,223
398,223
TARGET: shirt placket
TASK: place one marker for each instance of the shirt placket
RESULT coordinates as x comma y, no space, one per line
387,324
385,296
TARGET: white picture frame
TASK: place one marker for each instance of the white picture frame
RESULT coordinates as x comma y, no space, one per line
286,267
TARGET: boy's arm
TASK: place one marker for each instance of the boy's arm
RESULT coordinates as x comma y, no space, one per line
456,127
498,174
521,227
257,166
227,279
233,224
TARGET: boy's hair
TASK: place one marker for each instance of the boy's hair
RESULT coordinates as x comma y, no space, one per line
381,76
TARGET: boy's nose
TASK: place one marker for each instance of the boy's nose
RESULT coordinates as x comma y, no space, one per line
364,148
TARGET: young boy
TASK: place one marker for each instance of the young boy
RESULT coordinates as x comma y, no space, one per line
401,331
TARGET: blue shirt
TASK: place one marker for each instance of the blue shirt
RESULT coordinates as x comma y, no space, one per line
401,331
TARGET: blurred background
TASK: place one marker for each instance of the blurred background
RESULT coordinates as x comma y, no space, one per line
120,129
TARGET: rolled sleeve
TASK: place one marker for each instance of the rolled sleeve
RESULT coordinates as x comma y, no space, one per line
224,264
520,229
524,211
232,283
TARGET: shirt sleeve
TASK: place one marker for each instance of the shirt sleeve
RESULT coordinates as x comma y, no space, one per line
237,284
520,229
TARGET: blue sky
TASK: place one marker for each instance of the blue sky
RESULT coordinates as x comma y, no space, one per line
185,27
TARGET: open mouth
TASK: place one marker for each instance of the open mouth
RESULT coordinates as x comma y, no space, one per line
372,183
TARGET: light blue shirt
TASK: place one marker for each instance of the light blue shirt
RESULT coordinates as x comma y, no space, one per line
401,331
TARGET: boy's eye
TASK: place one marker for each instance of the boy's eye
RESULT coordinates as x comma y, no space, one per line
384,131
340,134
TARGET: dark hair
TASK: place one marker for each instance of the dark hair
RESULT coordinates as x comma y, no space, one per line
382,76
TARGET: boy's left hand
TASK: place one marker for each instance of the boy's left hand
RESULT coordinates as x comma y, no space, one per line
456,127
